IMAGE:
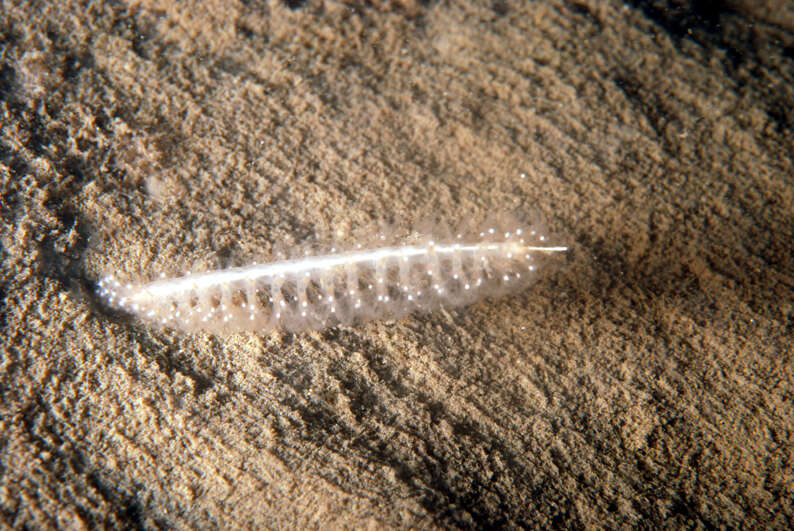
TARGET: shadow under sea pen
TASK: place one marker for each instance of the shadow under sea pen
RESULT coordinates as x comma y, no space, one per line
416,272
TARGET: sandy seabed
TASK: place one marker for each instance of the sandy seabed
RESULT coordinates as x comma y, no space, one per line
648,381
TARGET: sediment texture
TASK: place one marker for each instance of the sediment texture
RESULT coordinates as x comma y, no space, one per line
647,382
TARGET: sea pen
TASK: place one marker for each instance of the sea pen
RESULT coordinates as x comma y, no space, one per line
387,277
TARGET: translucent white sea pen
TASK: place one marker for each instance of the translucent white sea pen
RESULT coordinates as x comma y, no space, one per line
381,279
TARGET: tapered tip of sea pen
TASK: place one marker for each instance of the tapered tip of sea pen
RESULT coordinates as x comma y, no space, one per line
114,293
548,249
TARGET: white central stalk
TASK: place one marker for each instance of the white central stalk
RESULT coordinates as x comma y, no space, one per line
301,266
